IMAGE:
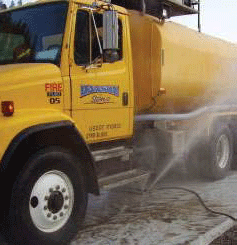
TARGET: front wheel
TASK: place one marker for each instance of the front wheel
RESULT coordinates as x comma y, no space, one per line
49,200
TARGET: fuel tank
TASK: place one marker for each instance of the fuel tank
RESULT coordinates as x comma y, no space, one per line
193,69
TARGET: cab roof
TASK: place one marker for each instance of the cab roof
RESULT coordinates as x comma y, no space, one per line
82,2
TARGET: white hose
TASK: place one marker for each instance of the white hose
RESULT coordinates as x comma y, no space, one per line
185,116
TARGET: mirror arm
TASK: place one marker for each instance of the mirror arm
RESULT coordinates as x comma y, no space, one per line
97,35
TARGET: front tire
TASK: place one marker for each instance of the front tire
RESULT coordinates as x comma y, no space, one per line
49,200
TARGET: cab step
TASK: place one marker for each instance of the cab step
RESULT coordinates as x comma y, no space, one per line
123,178
116,152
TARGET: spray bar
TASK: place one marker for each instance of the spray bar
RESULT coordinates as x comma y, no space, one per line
186,116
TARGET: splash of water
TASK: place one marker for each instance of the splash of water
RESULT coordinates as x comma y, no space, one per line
195,135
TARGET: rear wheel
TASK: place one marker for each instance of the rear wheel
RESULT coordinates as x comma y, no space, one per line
221,154
213,160
48,201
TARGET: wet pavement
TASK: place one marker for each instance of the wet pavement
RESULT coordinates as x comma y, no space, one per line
125,215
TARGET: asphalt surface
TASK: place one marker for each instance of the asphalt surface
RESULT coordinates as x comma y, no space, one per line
125,215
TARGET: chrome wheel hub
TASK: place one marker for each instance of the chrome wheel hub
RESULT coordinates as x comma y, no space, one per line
51,201
222,151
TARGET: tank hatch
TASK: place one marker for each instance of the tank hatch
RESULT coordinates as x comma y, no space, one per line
161,8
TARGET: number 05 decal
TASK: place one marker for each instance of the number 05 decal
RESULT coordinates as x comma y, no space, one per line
54,100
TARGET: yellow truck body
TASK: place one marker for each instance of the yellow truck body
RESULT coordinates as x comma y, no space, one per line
195,69
99,116
25,85
68,107
190,66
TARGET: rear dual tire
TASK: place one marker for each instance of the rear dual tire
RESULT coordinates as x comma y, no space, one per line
49,199
212,160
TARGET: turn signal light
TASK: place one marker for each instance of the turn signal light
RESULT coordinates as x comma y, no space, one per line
7,108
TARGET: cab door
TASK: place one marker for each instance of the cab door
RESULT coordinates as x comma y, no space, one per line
101,100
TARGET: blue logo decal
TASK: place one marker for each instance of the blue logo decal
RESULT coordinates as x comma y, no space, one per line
89,89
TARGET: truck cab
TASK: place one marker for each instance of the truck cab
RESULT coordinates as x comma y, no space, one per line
62,96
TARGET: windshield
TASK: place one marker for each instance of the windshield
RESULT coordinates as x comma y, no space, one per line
32,34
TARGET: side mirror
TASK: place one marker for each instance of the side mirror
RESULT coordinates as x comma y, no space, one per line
110,36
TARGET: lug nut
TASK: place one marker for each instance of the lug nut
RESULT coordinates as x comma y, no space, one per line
66,207
55,217
46,198
50,189
66,197
64,190
49,215
61,214
45,207
57,187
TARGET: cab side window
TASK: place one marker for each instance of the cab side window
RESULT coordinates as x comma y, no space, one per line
82,39
89,38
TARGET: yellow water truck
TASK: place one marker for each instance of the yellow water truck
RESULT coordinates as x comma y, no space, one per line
98,95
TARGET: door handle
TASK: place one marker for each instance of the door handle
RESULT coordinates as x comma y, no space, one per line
125,98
